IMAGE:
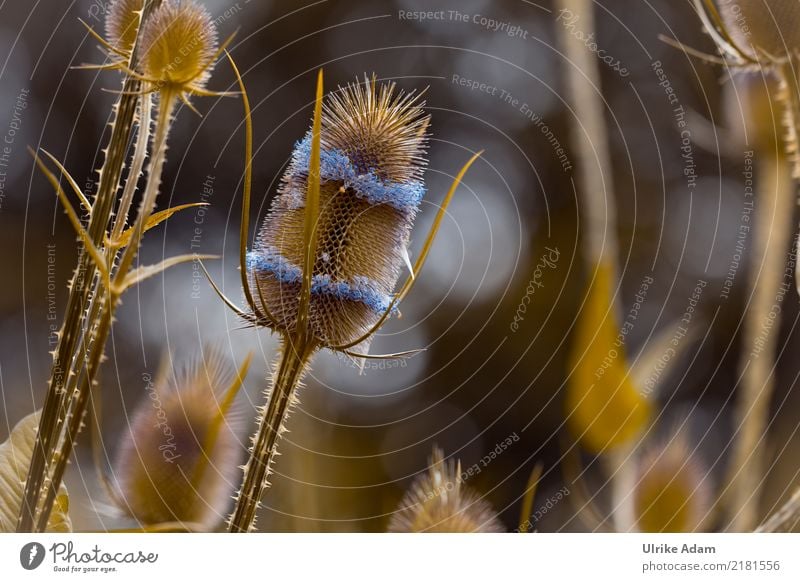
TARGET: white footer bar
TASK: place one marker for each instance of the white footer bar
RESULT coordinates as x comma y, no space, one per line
387,557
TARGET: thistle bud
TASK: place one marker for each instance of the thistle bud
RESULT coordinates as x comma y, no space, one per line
179,45
122,23
673,491
179,460
373,143
766,29
438,502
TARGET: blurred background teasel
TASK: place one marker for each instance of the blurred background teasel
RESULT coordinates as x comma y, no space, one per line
359,440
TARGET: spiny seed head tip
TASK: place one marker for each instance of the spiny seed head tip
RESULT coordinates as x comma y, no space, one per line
438,502
378,128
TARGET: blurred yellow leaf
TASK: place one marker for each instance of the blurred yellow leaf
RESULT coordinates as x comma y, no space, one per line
15,456
604,408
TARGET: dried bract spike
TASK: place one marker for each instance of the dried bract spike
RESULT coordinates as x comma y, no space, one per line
122,23
438,502
372,157
179,44
769,30
673,491
179,459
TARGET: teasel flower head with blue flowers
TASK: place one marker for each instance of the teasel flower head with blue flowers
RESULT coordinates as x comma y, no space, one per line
323,270
372,157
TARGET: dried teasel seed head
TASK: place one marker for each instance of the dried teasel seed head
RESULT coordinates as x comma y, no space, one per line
438,502
179,459
674,492
768,30
179,43
373,144
122,23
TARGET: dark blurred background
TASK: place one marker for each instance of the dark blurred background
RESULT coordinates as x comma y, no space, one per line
357,440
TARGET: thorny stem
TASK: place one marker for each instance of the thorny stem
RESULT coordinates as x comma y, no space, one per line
137,165
299,346
294,361
166,108
108,300
139,156
54,412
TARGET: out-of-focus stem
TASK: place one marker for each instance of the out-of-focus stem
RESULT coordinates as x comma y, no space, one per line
773,212
622,470
590,139
598,214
